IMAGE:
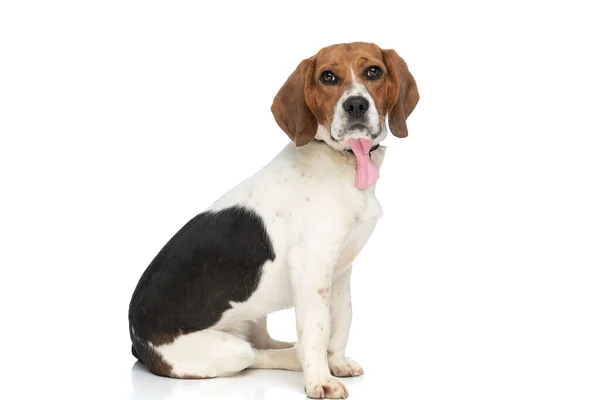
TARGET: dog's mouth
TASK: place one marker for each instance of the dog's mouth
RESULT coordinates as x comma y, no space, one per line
357,131
361,127
360,130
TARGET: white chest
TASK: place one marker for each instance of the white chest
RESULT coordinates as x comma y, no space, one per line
358,234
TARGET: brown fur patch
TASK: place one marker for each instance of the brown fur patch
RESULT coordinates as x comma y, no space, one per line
158,339
152,359
289,106
304,101
343,60
403,93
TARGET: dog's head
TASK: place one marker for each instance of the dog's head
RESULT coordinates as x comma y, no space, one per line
345,91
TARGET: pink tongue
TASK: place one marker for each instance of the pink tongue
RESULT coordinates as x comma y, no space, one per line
366,171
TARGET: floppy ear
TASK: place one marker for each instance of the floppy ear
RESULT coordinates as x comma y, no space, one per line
289,106
402,93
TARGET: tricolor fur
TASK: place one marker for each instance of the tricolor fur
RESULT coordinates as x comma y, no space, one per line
285,237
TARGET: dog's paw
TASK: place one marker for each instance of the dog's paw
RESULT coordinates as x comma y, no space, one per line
344,367
330,389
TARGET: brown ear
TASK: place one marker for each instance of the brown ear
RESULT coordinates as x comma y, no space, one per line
289,106
403,95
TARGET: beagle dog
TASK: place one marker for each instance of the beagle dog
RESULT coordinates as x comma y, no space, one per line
285,237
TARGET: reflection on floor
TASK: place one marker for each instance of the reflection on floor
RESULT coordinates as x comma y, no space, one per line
248,385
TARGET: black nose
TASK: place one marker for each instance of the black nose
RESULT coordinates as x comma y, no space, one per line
356,106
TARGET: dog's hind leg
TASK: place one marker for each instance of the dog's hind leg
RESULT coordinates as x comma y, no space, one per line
206,354
277,359
260,338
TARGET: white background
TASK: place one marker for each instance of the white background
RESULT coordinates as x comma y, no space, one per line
120,120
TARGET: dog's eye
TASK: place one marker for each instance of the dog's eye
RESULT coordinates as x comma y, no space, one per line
328,78
373,73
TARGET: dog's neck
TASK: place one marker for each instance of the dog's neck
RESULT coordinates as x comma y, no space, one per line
375,147
333,159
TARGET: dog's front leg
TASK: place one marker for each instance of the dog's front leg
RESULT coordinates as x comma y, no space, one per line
311,277
341,317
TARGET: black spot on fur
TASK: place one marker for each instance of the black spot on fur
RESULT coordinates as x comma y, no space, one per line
215,258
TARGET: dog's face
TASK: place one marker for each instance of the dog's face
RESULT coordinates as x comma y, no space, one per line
345,91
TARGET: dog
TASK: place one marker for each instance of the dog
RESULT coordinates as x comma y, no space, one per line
285,237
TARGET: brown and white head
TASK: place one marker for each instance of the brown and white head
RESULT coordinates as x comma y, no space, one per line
345,91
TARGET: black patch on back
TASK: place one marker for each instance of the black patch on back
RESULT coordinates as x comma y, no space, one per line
215,258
